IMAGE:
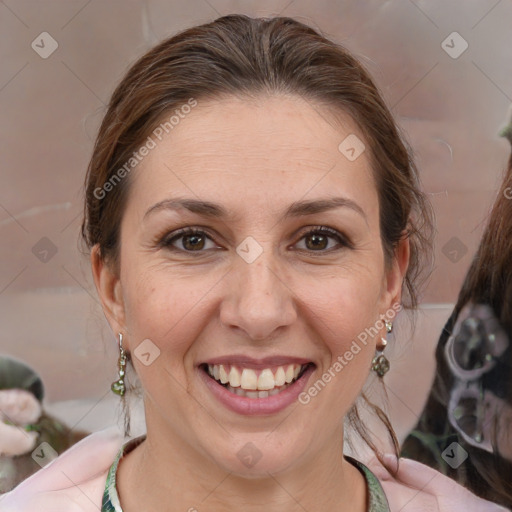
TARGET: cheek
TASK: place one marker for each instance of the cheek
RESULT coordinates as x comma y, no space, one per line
169,308
346,303
347,318
162,323
161,311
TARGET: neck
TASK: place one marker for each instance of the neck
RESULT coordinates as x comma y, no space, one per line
165,473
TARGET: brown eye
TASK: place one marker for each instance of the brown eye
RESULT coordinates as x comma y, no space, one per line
317,240
188,240
193,242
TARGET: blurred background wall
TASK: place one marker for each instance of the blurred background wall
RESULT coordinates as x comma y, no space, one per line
444,68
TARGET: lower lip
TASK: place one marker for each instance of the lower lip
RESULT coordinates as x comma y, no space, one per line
257,406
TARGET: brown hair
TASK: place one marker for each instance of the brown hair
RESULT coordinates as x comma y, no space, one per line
240,56
488,281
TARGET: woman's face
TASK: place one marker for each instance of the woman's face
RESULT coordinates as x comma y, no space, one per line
252,290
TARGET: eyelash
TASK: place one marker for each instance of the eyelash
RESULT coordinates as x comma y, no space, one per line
167,241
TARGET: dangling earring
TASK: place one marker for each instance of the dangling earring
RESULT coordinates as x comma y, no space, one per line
380,363
118,386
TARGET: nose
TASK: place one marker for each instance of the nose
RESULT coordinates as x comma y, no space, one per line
260,301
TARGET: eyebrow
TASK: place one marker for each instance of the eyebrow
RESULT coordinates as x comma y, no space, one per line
296,209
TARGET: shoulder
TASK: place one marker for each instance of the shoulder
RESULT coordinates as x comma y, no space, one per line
420,488
73,482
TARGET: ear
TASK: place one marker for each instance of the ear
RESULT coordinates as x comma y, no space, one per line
395,274
108,286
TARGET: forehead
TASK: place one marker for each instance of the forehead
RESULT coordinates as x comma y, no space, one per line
259,126
271,145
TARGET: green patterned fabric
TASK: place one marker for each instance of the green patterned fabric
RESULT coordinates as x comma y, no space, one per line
110,502
377,501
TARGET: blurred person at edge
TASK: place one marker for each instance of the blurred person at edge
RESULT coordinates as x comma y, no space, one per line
470,402
278,217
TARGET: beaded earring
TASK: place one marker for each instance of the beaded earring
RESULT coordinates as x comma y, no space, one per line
380,363
118,386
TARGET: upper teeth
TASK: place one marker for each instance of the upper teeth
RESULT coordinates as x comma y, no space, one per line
249,379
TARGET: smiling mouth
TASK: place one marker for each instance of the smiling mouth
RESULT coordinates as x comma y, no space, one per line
252,383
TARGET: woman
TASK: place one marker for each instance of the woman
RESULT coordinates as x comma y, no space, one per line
253,216
478,421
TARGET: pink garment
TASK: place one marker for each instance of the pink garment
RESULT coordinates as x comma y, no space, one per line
74,482
420,488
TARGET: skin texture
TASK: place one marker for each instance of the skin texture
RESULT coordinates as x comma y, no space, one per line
254,157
